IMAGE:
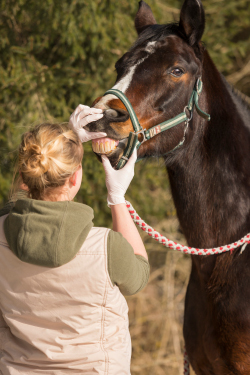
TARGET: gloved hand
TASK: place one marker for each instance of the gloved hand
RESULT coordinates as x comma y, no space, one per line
117,182
82,116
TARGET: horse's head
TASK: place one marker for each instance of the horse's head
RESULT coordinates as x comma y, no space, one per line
157,75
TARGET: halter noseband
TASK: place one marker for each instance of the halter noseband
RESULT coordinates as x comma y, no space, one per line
147,134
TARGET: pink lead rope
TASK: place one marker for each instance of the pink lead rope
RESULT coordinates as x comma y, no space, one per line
186,250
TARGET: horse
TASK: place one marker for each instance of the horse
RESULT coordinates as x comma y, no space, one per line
209,174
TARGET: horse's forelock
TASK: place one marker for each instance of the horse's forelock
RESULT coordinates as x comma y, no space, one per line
146,41
156,33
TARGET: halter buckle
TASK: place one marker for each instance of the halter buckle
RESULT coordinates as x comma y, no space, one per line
142,131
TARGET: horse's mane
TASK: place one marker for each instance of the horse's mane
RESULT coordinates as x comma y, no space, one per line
241,101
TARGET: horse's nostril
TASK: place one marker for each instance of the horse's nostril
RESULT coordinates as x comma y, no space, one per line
111,113
116,115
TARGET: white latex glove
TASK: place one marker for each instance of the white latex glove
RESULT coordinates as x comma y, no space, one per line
82,116
117,182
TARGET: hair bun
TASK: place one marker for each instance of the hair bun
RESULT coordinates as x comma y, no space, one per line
36,161
43,160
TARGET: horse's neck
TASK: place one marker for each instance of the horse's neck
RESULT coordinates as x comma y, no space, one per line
210,179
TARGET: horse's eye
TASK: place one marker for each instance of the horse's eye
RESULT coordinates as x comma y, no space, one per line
177,72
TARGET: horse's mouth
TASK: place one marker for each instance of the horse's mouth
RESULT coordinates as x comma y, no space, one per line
104,146
112,148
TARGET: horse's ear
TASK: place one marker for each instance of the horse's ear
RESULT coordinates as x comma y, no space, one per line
192,20
144,17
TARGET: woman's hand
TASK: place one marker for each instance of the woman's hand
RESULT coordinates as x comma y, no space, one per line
117,182
82,116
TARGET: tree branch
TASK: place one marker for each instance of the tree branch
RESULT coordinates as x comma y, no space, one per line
237,76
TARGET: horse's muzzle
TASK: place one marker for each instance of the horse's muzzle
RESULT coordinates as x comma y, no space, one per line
107,123
114,144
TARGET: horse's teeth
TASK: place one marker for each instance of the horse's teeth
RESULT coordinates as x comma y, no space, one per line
107,147
95,147
104,146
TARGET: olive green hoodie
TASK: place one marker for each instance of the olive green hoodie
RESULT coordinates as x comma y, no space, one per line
47,233
50,234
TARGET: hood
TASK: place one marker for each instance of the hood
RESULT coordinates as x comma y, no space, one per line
47,234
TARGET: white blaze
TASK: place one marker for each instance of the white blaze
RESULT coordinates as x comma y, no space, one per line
150,48
125,81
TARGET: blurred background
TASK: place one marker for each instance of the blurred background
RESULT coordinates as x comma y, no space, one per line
56,54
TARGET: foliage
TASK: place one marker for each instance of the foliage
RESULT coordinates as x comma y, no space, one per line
54,55
57,54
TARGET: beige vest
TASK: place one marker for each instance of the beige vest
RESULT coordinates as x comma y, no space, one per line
65,320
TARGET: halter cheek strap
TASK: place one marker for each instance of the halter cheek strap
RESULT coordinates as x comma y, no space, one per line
147,134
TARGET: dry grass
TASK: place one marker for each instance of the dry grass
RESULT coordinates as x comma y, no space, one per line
156,313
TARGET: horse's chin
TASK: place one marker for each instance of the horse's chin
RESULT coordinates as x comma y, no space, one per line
109,147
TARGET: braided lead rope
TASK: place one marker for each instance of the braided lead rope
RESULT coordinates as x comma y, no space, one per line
184,249
186,363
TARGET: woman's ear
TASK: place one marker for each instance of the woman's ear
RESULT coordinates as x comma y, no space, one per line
73,178
21,184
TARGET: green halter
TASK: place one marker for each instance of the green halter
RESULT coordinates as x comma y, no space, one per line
147,134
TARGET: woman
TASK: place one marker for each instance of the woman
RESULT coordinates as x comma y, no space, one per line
62,281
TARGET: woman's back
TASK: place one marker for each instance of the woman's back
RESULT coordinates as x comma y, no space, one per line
68,319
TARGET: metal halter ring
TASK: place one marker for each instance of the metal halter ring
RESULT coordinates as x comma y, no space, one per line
143,133
190,113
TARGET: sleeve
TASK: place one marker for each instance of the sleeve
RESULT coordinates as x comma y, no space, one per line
128,271
10,204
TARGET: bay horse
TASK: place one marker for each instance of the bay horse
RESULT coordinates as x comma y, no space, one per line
209,174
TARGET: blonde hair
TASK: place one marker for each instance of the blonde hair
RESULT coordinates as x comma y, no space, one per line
48,155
